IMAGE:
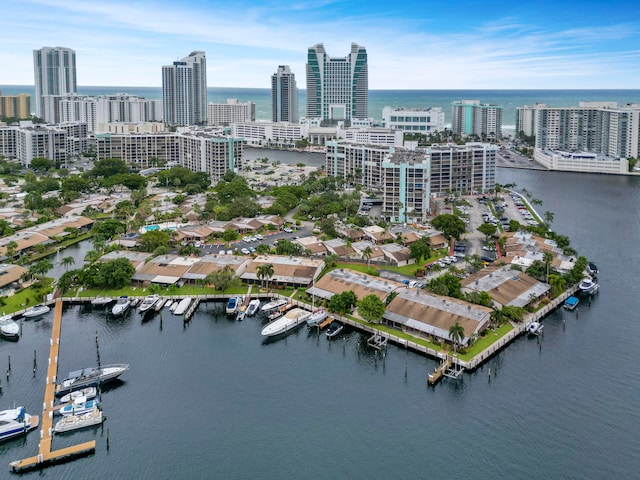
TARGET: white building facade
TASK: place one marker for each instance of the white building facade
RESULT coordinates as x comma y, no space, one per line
224,114
470,117
54,74
284,96
184,90
414,120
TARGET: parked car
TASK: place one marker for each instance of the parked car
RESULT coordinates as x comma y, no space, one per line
245,251
287,229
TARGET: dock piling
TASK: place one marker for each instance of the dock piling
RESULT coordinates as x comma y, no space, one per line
9,362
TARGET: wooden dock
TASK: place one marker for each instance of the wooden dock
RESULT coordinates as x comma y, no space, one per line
439,372
46,456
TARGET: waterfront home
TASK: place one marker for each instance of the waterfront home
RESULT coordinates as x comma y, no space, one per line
163,270
11,279
136,259
59,227
507,287
26,241
523,248
427,315
213,263
287,270
344,280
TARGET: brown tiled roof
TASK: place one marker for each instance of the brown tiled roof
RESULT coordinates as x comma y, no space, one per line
10,274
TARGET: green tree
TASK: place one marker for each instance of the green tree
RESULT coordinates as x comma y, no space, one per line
222,279
421,248
496,317
366,253
514,313
342,303
108,167
67,261
371,308
450,225
265,271
456,335
12,248
487,229
153,239
557,283
41,164
547,258
331,260
230,235
548,218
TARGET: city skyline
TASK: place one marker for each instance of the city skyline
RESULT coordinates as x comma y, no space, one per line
410,45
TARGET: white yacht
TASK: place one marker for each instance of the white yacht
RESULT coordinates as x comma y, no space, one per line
9,329
15,422
289,320
148,303
317,317
588,286
534,328
121,306
36,311
88,393
74,422
233,305
101,301
253,307
274,304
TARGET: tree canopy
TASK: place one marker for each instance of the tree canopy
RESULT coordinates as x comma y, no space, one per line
450,225
343,302
371,308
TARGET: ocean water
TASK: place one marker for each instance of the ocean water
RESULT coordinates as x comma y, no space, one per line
378,99
212,399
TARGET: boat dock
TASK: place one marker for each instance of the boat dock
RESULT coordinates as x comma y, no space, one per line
377,341
46,456
439,371
192,308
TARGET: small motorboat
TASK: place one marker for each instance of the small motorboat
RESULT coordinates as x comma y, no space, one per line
253,307
15,422
571,303
9,329
75,422
122,305
79,406
183,305
334,329
148,303
588,286
101,301
173,306
36,311
274,304
534,328
241,313
168,304
592,268
88,393
233,304
316,318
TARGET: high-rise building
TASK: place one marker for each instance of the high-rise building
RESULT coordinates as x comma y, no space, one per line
284,96
15,106
470,117
184,90
414,120
337,88
55,74
231,112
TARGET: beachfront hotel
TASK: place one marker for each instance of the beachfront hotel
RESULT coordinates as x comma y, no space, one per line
284,96
337,87
184,90
54,71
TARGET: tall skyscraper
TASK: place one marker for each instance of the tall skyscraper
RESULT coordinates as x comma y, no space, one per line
337,88
55,74
184,90
470,117
284,96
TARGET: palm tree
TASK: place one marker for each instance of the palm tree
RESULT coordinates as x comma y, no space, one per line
547,258
366,253
496,316
66,262
548,218
456,334
265,271
12,248
558,283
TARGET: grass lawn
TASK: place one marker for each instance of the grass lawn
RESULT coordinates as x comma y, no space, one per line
485,342
24,299
143,291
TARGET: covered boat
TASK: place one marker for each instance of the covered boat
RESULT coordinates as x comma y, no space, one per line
183,305
101,301
233,304
571,303
334,329
290,320
15,422
274,304
122,305
75,422
317,317
36,311
90,377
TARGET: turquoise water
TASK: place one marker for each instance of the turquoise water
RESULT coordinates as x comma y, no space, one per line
378,99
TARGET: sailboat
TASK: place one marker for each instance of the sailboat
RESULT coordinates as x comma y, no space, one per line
317,316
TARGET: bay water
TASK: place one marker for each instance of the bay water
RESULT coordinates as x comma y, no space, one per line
212,399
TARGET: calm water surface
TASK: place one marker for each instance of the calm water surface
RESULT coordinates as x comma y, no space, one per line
213,400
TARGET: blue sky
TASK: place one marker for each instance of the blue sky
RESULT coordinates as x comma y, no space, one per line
465,44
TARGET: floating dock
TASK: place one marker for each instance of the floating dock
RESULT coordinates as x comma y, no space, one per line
45,455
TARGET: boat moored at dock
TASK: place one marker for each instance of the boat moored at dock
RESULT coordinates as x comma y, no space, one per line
253,307
334,329
183,305
122,305
290,320
87,392
316,318
233,304
274,304
534,328
571,303
79,406
148,303
588,286
90,377
36,311
9,329
15,422
101,301
75,422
